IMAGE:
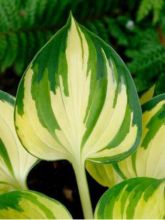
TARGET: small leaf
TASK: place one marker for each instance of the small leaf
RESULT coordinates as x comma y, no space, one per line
104,174
138,198
30,205
149,159
15,161
77,100
147,95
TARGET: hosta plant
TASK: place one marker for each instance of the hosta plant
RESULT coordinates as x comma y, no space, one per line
77,101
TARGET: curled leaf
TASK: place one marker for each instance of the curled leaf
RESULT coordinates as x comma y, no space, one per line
15,161
149,158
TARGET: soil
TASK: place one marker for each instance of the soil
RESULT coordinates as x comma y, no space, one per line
55,179
9,82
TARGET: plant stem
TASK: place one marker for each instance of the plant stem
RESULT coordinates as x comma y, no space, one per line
79,169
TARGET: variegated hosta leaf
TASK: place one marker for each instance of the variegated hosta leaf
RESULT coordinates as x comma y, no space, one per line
149,159
77,100
104,174
138,198
30,205
15,161
147,95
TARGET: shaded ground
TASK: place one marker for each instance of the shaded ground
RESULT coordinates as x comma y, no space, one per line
9,82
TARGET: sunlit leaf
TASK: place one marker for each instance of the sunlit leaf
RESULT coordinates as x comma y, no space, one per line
77,100
15,161
138,198
149,159
30,205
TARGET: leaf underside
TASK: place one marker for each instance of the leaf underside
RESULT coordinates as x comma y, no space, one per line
77,100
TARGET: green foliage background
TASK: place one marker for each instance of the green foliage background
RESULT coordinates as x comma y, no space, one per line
135,29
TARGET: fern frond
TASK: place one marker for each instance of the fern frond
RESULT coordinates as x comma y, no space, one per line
147,6
111,29
160,88
147,57
25,26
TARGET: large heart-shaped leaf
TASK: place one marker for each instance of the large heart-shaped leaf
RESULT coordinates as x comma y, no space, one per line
149,159
77,100
30,205
138,198
15,161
